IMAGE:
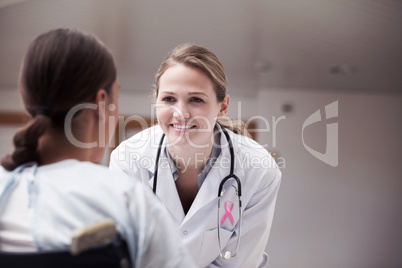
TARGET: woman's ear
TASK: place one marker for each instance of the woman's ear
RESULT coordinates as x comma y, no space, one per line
101,101
224,106
101,96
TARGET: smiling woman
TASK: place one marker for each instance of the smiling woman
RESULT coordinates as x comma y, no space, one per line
199,156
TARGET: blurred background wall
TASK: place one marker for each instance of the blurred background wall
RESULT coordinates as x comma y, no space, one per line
285,60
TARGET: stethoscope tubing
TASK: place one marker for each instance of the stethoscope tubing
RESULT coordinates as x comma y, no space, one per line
158,153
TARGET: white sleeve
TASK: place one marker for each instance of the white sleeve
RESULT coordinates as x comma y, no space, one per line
255,228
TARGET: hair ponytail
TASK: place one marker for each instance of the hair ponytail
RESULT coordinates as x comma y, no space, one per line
26,143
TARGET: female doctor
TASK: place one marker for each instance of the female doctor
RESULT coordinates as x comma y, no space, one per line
187,158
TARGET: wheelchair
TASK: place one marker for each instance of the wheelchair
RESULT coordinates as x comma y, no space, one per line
96,245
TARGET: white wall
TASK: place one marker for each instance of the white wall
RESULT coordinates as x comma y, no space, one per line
344,216
10,100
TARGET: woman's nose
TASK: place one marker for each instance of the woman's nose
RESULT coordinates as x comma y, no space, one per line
181,112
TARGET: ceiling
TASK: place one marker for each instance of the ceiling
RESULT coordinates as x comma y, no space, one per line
326,45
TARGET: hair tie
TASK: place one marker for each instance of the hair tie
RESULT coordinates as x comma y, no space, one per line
43,111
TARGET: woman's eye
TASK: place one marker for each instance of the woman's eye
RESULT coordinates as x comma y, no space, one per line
196,100
168,99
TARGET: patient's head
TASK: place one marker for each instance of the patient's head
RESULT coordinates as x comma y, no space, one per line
61,69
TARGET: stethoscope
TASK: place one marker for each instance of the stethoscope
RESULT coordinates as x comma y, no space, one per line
227,254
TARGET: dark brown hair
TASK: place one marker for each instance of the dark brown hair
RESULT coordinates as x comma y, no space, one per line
198,57
61,68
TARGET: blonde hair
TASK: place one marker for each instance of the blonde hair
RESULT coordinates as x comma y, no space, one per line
204,60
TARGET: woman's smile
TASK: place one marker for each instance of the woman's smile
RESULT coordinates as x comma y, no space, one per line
182,128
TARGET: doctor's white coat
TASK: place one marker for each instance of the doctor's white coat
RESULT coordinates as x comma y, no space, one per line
260,179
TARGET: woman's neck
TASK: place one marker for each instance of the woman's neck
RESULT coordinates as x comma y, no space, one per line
54,146
57,144
188,158
53,149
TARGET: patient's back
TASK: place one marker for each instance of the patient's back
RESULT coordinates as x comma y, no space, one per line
52,201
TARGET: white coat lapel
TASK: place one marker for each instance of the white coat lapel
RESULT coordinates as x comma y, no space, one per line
166,189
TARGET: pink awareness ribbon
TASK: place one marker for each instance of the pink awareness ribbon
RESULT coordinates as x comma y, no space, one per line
228,210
